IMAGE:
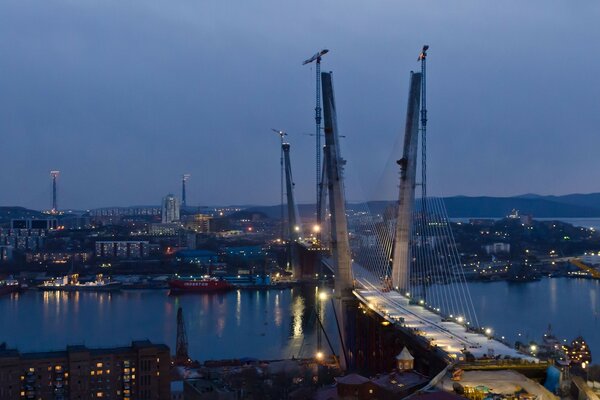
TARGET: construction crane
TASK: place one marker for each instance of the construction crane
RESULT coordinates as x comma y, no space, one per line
317,60
184,179
181,348
594,273
281,136
293,217
54,174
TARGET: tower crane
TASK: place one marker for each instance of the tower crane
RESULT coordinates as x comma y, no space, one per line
316,58
293,217
281,134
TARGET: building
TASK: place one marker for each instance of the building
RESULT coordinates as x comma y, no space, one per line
140,371
57,257
198,222
23,239
497,248
164,229
126,211
125,249
170,209
29,223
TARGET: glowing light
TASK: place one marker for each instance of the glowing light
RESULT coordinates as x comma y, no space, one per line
323,296
533,348
460,320
319,356
316,228
488,331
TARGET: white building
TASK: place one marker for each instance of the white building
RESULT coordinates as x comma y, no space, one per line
170,209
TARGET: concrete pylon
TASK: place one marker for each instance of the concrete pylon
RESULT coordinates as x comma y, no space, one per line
340,245
408,171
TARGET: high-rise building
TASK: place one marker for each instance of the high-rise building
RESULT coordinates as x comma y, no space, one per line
140,371
170,209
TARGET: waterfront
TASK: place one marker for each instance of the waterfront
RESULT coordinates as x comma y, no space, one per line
571,305
262,324
271,324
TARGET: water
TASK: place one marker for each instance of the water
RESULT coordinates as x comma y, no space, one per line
259,324
271,324
572,306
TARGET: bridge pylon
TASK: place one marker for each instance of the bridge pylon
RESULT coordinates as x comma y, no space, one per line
406,200
344,301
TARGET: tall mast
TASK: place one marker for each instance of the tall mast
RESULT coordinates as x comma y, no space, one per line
317,59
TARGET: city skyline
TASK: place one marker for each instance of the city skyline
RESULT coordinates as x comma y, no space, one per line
124,103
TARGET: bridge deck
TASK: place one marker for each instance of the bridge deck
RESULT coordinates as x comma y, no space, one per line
449,336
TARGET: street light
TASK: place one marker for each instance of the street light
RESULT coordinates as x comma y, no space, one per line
323,296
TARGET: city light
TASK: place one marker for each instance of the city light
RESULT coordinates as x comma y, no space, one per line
533,348
323,296
316,228
319,356
488,331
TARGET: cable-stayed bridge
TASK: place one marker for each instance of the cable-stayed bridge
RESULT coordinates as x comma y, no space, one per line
398,275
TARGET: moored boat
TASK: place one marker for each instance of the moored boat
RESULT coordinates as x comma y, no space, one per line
204,284
9,286
70,283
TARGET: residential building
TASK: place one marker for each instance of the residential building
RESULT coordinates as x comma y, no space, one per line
170,209
140,371
124,249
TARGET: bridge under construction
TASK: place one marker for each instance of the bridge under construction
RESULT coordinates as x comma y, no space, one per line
404,283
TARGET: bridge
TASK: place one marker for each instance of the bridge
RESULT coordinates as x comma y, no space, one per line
402,283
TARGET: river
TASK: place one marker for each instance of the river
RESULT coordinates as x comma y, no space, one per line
271,324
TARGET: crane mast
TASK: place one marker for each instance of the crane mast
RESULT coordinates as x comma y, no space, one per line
293,218
317,60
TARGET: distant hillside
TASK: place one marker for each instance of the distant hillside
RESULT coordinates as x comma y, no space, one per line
540,207
8,213
567,206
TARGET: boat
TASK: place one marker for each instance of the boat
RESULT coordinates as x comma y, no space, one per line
204,284
9,286
70,283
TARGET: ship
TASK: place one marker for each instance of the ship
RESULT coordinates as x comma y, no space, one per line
70,283
204,284
9,286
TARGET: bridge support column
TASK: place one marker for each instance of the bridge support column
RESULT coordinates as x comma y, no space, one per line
344,301
408,171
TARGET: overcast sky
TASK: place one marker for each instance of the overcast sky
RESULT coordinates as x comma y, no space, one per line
125,96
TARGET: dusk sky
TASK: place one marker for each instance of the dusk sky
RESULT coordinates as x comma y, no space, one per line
125,96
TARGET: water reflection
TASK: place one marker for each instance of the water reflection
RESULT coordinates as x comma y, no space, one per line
236,324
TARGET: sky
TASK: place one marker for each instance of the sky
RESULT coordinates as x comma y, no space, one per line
123,97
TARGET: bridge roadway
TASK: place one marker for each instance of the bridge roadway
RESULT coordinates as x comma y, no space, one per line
449,336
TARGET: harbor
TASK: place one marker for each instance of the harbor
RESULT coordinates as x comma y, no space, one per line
276,323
